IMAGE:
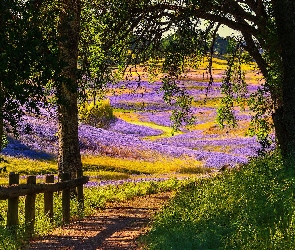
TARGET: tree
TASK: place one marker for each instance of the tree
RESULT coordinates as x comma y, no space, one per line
23,64
284,117
266,33
39,50
69,158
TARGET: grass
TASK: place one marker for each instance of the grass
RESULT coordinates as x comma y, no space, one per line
209,102
250,208
100,168
218,68
94,198
28,166
133,118
159,165
105,167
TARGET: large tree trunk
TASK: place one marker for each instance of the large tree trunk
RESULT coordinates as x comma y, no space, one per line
1,116
284,117
69,158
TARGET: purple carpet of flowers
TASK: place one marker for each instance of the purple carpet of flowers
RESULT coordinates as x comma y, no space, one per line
38,135
130,129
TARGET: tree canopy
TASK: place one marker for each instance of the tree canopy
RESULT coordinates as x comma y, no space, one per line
262,26
24,62
75,41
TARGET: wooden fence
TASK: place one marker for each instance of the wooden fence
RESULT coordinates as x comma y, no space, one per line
15,190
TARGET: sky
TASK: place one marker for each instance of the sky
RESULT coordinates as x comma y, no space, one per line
225,31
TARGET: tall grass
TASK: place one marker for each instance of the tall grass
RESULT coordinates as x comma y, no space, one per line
252,208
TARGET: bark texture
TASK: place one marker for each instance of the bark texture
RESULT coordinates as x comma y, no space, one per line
284,117
69,159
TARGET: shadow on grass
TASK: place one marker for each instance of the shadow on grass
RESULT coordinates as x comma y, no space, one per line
17,149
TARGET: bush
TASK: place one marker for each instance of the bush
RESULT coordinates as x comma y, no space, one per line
253,208
98,114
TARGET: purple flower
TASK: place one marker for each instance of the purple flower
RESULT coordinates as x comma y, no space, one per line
38,135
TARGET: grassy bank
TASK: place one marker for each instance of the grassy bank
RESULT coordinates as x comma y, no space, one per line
252,208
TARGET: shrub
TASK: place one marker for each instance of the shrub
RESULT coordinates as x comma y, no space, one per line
98,114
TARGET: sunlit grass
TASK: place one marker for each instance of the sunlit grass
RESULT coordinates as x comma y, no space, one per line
134,118
240,130
28,166
121,91
209,102
127,115
157,166
203,126
105,167
106,175
217,148
200,74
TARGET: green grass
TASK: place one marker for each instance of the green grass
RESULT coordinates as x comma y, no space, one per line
94,198
209,102
252,208
28,166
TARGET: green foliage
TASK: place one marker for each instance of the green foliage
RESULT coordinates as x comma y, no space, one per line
25,66
98,114
234,86
181,102
261,122
4,141
250,208
94,62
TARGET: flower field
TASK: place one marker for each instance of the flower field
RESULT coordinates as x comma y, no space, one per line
141,129
138,153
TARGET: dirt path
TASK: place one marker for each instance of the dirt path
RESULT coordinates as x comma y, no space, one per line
116,227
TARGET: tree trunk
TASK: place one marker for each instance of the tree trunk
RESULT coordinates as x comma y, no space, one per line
69,158
284,117
1,116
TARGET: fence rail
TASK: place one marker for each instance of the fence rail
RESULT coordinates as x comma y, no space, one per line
15,190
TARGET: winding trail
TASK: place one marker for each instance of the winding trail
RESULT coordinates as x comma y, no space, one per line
116,227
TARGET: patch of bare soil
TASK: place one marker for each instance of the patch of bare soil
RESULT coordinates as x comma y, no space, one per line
116,227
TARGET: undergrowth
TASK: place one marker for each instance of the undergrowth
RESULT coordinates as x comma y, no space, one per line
250,208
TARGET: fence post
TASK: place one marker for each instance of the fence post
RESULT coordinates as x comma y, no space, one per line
48,198
12,213
30,208
66,200
80,194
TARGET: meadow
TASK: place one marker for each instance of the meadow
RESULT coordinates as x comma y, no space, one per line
138,154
